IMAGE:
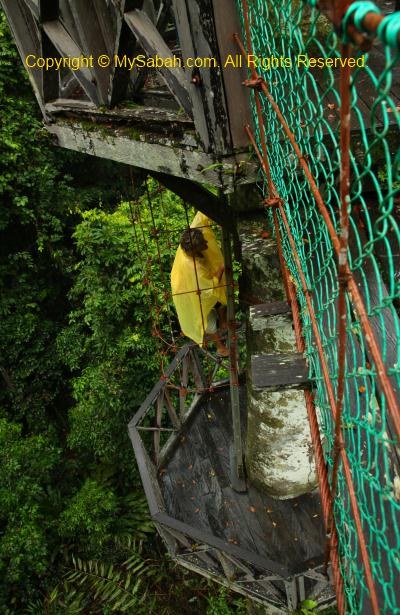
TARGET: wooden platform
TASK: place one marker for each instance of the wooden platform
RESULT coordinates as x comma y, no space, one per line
287,535
274,371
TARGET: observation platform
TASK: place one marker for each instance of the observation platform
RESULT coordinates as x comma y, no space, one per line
182,122
269,550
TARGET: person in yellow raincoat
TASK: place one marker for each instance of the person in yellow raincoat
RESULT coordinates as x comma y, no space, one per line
199,266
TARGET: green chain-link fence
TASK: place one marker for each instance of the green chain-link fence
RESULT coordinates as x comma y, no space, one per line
284,33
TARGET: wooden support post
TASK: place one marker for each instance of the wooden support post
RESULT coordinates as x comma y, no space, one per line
202,199
66,47
237,460
93,43
33,7
195,24
226,20
153,44
26,35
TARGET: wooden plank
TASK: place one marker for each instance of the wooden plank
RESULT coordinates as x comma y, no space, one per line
173,443
118,145
185,39
93,43
228,568
227,22
233,511
279,370
270,309
169,541
150,485
209,539
171,410
70,105
238,530
158,421
27,39
154,45
68,48
33,6
216,439
195,24
197,369
201,554
152,396
158,118
183,390
161,21
205,201
295,528
105,19
171,494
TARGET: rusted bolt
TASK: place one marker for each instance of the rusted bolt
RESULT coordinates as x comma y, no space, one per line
196,77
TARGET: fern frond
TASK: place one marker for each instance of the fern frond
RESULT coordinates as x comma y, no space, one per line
119,588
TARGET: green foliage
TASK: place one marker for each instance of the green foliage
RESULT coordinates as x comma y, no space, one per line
118,588
307,607
90,514
27,466
222,604
77,357
310,607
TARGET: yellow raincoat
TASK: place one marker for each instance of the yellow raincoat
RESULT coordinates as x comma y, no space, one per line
193,316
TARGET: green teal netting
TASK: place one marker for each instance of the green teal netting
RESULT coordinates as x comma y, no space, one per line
309,101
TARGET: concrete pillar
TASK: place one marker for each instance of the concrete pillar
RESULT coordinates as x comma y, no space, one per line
279,457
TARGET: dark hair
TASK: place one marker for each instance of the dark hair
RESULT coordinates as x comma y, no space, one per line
192,241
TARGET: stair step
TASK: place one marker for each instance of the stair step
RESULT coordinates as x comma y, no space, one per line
270,309
279,370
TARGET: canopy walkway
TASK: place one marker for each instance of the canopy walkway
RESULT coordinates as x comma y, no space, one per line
323,144
315,97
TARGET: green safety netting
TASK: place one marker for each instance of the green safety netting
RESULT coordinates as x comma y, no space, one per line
309,101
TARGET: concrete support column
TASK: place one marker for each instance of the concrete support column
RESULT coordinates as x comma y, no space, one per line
279,457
